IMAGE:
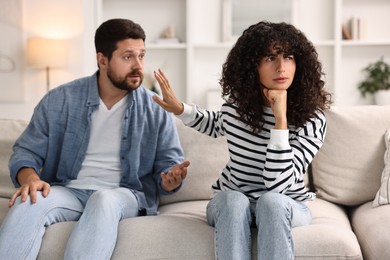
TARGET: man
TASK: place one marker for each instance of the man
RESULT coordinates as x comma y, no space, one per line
97,150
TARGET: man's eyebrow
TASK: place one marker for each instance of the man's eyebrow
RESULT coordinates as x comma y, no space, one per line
134,51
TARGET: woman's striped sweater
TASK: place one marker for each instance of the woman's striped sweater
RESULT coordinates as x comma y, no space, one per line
272,160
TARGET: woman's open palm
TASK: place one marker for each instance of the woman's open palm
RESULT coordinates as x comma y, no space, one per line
169,101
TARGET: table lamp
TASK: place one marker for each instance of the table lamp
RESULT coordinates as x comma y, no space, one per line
47,53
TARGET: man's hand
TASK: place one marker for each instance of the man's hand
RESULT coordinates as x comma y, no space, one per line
30,184
173,178
169,102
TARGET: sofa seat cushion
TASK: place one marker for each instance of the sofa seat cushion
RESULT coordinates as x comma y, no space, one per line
371,225
181,231
329,236
54,241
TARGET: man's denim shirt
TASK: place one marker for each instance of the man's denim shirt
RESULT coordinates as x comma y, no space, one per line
56,139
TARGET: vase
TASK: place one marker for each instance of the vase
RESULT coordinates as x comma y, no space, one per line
382,97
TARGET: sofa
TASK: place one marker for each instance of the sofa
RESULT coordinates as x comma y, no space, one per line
349,221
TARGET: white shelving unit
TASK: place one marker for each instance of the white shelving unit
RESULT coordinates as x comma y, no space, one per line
194,65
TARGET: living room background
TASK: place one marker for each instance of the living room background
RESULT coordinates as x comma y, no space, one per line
195,41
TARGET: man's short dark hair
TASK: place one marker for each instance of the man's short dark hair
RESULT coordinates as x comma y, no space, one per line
114,30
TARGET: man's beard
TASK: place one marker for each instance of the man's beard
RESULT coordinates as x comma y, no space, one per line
121,83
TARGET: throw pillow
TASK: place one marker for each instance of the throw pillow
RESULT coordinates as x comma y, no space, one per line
383,195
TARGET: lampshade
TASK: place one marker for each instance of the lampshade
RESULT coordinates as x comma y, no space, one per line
43,53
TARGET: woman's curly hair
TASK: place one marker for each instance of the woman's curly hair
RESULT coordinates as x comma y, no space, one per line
240,80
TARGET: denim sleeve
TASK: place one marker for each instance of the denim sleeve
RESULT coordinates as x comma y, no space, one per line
30,148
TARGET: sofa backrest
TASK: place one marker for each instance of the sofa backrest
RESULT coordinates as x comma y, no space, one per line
347,169
10,130
207,155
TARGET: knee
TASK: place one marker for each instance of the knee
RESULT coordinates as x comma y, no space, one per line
272,200
103,199
272,204
234,199
233,204
26,205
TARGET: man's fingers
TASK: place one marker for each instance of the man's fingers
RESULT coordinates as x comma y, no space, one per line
33,194
24,191
46,190
13,198
185,164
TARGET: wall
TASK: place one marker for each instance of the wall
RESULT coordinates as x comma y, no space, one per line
54,19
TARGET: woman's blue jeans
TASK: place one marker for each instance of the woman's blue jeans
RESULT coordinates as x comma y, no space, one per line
232,215
94,235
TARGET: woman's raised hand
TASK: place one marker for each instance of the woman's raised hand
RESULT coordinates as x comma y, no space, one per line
169,101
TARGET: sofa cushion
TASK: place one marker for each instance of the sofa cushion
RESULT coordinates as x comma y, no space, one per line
329,235
3,208
207,155
181,232
9,132
383,195
347,169
371,226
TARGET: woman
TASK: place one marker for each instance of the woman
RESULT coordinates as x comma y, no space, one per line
274,123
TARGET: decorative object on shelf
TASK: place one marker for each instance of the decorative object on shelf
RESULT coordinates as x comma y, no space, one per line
377,82
7,64
47,53
168,35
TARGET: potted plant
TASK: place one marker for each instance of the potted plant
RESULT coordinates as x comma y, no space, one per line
377,82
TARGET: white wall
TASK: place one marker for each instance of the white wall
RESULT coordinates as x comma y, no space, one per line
73,20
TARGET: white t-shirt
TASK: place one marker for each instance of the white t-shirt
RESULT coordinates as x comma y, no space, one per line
101,167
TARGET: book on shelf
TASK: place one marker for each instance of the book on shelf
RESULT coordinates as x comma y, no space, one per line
355,29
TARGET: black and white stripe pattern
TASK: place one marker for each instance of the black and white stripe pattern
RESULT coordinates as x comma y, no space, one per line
256,166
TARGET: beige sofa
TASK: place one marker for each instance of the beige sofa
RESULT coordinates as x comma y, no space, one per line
346,175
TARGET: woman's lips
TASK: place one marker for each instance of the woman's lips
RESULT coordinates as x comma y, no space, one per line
281,79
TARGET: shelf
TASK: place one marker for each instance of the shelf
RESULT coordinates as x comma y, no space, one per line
194,65
329,43
176,46
222,45
365,43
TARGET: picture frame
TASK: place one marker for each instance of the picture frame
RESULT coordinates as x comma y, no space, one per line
237,15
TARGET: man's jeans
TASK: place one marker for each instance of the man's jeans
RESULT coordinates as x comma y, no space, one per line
94,235
231,214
